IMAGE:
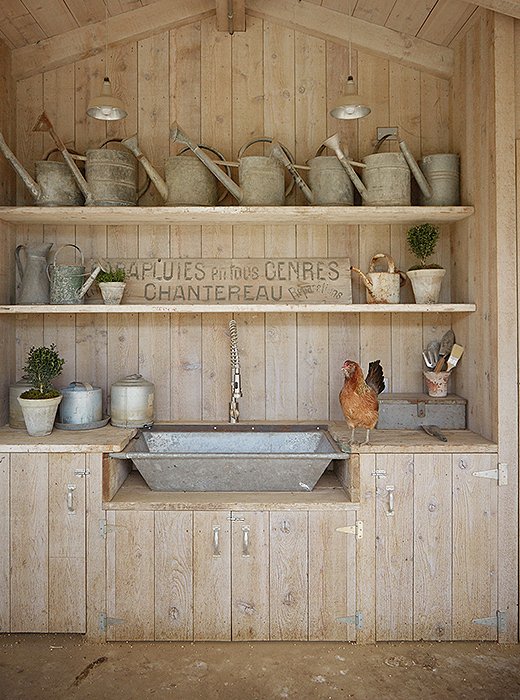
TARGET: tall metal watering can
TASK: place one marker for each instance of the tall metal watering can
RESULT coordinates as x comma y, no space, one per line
330,184
67,282
55,186
438,177
262,178
382,286
110,175
33,274
187,181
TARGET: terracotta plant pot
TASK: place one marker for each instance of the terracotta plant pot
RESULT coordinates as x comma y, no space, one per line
426,284
39,414
112,292
437,383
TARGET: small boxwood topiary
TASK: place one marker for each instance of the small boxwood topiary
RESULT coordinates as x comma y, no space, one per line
422,240
43,365
116,275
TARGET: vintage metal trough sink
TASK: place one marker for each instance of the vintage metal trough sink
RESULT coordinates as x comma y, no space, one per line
236,457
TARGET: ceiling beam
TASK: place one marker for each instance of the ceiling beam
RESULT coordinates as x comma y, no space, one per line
89,40
338,27
505,7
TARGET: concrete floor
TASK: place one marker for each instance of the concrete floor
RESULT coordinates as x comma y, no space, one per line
65,666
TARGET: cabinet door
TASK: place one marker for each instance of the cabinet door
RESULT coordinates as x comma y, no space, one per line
47,531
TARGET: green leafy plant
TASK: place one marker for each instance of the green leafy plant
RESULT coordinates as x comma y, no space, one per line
422,240
43,365
116,275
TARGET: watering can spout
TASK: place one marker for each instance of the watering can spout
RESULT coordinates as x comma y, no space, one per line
279,154
101,264
368,284
334,144
177,134
133,146
43,123
31,185
416,171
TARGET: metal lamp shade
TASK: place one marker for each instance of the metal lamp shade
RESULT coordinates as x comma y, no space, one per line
106,106
350,106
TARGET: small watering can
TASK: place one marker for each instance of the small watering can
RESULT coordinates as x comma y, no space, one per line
54,186
382,287
110,175
34,281
262,178
188,182
330,184
66,281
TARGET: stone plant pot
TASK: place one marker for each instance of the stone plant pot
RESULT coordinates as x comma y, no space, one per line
39,414
426,284
112,292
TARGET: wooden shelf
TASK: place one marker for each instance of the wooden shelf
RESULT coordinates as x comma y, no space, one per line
235,308
99,216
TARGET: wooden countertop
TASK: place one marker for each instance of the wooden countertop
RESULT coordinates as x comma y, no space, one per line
414,441
106,439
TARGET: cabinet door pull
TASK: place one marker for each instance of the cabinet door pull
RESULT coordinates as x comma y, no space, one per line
245,541
70,498
390,491
216,541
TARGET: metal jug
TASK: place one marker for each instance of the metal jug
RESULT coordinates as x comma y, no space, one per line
54,186
262,178
382,287
187,182
34,287
132,402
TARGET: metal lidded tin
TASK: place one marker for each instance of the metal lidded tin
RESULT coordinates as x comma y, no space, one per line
132,402
81,403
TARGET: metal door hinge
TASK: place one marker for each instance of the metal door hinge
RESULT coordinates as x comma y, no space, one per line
356,529
498,620
105,622
356,620
500,474
379,474
234,518
105,528
81,472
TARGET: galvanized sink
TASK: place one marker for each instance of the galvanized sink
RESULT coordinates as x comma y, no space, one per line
235,457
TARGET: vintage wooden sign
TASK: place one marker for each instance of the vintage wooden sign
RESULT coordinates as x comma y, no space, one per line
236,281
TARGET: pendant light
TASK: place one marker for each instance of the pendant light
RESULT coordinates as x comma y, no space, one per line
350,105
106,106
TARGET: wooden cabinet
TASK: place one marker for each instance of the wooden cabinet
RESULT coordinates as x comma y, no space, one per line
42,571
222,575
436,549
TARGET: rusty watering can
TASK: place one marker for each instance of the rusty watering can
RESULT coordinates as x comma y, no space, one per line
187,182
66,281
382,287
54,186
34,288
330,183
262,178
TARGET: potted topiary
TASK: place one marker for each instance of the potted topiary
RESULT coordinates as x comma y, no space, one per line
112,285
425,278
39,404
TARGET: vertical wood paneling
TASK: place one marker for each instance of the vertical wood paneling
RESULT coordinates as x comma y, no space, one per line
96,555
5,537
173,575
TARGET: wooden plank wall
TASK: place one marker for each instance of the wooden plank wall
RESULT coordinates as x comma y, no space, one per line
484,112
7,233
224,90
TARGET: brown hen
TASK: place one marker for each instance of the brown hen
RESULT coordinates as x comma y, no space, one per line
358,397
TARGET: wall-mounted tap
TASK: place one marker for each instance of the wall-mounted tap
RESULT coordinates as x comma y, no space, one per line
236,382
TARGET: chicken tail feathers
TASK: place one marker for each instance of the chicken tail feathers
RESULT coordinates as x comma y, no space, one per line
375,378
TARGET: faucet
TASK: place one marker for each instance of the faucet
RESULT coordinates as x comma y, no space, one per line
236,382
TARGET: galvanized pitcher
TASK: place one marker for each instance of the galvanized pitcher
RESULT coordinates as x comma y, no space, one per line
34,287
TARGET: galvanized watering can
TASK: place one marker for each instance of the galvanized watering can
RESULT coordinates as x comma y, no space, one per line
67,285
54,186
438,177
34,287
187,182
382,287
261,178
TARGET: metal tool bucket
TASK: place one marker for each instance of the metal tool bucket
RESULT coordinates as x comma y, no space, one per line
442,170
66,280
190,182
261,178
329,182
112,177
387,179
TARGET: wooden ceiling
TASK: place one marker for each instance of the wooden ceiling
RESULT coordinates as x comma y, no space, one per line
31,25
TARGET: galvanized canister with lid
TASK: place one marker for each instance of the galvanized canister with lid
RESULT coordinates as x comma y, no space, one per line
132,402
82,403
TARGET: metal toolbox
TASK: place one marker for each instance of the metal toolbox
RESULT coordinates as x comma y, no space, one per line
408,411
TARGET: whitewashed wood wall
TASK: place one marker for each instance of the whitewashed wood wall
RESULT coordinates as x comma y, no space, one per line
224,90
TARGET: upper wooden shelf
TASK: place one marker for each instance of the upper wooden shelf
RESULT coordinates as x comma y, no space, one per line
91,216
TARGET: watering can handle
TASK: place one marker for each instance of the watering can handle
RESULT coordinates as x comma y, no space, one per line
379,256
147,181
268,139
17,252
219,155
71,245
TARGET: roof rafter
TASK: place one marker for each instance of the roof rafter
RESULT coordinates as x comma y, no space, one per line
504,7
